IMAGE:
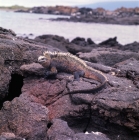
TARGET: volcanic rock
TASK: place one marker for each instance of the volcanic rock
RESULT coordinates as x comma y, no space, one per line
43,109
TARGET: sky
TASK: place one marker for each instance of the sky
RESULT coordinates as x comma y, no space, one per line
31,3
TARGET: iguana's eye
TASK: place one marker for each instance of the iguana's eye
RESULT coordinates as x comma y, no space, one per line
43,58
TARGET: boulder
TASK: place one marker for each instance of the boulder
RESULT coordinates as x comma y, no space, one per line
79,41
76,45
82,42
107,56
59,130
74,48
9,136
25,118
53,40
133,47
110,42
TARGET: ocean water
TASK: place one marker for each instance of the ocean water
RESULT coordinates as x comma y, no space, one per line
32,25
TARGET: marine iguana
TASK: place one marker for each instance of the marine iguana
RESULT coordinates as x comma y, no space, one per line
66,62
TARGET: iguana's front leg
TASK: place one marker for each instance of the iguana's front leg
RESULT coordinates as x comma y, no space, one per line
77,75
52,72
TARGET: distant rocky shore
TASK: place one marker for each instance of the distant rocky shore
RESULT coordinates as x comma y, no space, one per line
123,16
35,108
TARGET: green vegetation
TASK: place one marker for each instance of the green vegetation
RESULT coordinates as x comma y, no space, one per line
13,8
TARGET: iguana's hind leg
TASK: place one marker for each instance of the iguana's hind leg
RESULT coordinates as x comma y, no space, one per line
78,74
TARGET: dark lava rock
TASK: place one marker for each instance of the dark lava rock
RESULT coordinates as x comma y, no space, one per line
32,69
82,42
7,32
121,94
132,20
15,52
90,136
134,47
59,130
76,45
122,16
24,118
110,42
129,69
41,109
79,41
74,49
90,41
9,136
108,56
5,77
54,40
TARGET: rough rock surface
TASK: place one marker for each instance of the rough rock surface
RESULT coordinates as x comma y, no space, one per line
24,118
59,130
54,40
42,108
103,19
108,56
15,52
76,45
9,136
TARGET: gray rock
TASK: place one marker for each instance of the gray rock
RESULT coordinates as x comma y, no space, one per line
32,69
9,136
25,118
107,56
59,130
90,136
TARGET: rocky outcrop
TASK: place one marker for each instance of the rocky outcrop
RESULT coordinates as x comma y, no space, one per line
126,12
15,52
108,56
76,45
102,19
54,40
61,131
122,16
9,136
24,118
42,108
57,10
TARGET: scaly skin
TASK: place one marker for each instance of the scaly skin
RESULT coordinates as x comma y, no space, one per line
66,62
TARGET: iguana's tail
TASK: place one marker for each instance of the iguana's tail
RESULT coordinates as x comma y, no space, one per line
96,75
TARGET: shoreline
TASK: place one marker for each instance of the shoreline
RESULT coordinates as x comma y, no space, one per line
122,16
103,20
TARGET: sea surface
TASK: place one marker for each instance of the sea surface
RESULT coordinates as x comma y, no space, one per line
32,25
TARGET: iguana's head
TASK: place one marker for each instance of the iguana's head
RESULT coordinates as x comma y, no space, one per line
44,60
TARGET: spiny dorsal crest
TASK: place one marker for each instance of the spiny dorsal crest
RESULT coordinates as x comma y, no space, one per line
49,55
